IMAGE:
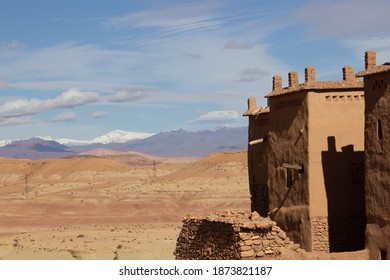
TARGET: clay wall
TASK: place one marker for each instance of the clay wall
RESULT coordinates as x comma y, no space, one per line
287,144
231,236
257,163
336,160
377,155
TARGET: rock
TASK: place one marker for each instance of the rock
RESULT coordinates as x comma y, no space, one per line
257,242
247,254
282,235
244,236
293,246
248,242
279,241
276,229
255,216
246,248
260,254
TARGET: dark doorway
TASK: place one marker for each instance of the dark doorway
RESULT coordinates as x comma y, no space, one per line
383,255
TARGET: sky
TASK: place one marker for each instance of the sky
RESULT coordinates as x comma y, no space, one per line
81,68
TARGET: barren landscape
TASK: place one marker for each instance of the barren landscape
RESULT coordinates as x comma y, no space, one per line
120,208
106,206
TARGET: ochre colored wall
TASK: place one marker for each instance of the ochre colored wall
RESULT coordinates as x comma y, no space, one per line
377,164
336,167
336,119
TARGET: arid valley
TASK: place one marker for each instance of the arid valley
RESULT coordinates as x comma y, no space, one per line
109,206
106,205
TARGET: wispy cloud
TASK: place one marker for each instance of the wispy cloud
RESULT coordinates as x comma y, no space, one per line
69,62
188,17
129,94
15,121
68,99
251,75
233,45
218,117
65,117
99,114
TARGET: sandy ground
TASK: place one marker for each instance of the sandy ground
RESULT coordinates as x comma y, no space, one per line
92,208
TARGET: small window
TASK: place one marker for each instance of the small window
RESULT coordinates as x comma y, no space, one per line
357,172
290,181
383,255
379,130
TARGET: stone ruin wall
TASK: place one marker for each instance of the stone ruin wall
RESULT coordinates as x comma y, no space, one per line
232,236
320,238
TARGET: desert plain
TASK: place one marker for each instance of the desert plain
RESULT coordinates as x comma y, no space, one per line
105,205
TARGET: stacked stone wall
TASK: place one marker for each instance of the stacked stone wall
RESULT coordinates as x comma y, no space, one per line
320,234
231,236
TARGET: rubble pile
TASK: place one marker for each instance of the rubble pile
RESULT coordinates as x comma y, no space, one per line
231,236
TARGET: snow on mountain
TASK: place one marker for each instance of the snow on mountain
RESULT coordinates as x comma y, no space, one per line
115,136
120,136
5,142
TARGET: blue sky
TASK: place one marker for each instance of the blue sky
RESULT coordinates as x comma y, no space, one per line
81,68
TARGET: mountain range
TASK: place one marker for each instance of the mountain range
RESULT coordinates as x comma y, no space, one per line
175,143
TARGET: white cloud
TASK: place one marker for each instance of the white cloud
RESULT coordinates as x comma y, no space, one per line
68,99
129,94
251,75
99,114
218,117
15,121
233,45
65,117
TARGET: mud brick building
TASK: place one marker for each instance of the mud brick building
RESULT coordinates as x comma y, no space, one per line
257,156
308,168
377,155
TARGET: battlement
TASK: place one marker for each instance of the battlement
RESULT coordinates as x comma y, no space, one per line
350,81
293,80
253,109
370,65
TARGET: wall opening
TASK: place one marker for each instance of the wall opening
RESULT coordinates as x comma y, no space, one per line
379,130
290,181
357,173
383,255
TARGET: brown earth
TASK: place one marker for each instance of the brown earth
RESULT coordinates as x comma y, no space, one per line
98,208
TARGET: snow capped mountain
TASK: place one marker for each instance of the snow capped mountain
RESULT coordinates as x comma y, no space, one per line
5,142
115,136
120,136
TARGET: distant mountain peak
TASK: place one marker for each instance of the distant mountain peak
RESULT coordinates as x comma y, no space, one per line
120,136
